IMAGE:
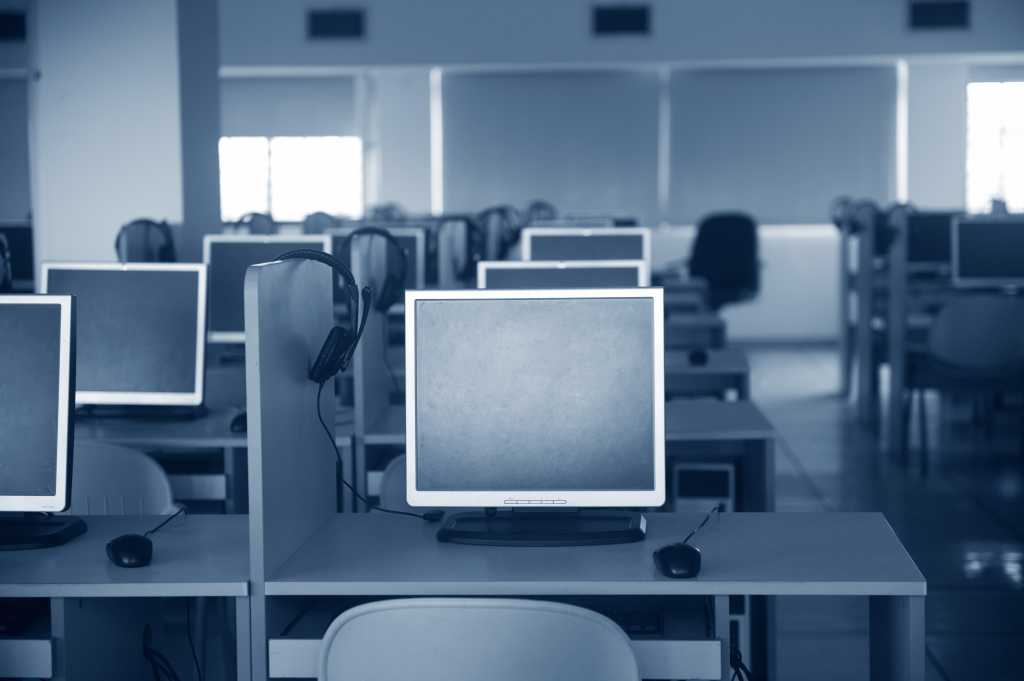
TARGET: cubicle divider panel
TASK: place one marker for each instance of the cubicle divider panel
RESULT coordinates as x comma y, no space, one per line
867,371
288,314
897,338
292,468
371,381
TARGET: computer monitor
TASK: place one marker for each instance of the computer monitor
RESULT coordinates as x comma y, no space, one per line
535,398
988,251
37,356
541,274
19,239
610,243
228,256
929,239
141,331
412,241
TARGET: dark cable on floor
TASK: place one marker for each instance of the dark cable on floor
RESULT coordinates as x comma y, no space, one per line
429,516
191,642
162,668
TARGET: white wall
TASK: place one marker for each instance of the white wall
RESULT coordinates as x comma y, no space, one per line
105,122
937,134
15,198
444,32
799,298
399,112
782,143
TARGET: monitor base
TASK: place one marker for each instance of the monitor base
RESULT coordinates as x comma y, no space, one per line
169,413
18,533
539,528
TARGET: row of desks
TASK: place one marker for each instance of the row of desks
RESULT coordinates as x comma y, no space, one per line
369,556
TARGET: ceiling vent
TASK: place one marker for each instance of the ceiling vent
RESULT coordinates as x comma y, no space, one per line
12,27
336,24
621,20
928,15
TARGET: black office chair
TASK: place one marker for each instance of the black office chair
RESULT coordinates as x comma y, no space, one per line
725,255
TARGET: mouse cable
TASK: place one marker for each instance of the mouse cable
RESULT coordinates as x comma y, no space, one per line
718,508
429,516
181,509
739,669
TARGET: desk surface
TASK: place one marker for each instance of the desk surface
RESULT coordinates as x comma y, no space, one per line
840,554
685,420
198,555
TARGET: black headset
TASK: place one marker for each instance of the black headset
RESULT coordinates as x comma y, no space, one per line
339,346
510,224
263,221
393,288
6,267
164,252
476,244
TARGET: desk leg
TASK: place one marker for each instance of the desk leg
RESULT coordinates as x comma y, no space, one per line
897,637
243,640
237,479
743,394
722,632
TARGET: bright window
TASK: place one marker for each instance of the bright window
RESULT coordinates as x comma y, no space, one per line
291,177
995,145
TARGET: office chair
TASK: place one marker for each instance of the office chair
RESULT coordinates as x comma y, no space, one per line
439,639
975,345
725,255
392,487
112,480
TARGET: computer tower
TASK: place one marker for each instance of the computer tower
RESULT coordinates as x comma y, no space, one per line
698,487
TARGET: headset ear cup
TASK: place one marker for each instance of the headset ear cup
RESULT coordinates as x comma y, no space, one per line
332,355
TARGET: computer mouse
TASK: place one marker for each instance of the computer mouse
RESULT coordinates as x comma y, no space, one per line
240,423
130,551
678,561
698,358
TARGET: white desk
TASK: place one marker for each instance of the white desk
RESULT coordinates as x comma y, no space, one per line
194,556
771,554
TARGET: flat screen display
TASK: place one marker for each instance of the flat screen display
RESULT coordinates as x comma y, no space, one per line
511,277
228,258
535,394
989,251
140,331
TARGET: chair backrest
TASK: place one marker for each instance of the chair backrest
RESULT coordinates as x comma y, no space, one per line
392,486
725,254
439,639
111,480
981,333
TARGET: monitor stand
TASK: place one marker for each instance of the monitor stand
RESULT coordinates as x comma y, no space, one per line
169,413
543,528
20,532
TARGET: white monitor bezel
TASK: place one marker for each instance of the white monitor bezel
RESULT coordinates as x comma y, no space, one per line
323,240
58,501
962,282
111,397
417,234
651,498
644,232
484,266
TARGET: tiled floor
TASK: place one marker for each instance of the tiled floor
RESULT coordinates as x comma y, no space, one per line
964,524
